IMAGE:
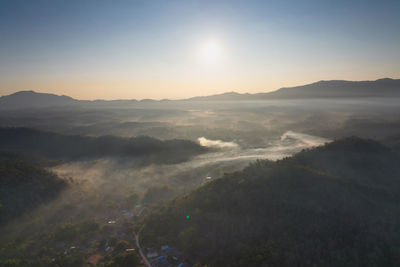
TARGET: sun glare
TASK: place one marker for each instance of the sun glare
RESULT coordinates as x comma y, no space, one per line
210,52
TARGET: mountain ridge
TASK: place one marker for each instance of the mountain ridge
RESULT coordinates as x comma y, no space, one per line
384,87
333,205
56,146
356,88
32,99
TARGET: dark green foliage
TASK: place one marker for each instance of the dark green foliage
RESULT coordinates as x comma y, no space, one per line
72,231
132,199
335,205
24,186
158,194
12,263
70,244
121,245
73,147
125,260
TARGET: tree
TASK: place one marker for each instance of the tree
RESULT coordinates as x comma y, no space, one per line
126,260
121,245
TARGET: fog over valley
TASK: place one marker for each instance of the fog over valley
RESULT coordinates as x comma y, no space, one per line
204,133
113,167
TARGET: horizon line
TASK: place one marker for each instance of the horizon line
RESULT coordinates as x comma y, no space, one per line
196,96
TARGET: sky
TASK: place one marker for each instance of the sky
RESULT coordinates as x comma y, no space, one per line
124,49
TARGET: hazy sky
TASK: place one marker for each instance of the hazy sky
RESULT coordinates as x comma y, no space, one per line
92,49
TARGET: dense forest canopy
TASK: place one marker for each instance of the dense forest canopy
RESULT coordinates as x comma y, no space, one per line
125,159
341,196
75,147
23,186
335,205
193,133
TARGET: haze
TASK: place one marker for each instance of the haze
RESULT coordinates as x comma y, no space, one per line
172,133
156,49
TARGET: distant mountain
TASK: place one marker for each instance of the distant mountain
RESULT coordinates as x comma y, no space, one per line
335,205
223,97
322,89
31,99
341,89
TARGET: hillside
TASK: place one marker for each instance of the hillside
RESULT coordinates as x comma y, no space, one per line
335,205
31,99
322,89
23,186
340,89
54,146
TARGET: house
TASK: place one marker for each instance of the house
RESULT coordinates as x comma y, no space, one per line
72,248
162,259
170,251
151,253
109,249
128,215
166,249
94,259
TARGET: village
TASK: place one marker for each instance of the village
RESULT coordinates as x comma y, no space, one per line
122,228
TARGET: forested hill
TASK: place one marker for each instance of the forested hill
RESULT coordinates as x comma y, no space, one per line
340,89
385,87
321,89
335,205
56,146
31,99
23,186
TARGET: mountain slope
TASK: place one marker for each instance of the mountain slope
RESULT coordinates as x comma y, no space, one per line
331,89
23,186
322,89
31,99
54,146
335,205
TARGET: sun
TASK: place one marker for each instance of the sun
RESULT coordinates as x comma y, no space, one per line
210,52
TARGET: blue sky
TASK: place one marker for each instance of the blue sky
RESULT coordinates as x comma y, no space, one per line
93,49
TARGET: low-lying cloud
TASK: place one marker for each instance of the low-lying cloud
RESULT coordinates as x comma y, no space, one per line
100,187
306,139
118,173
216,143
